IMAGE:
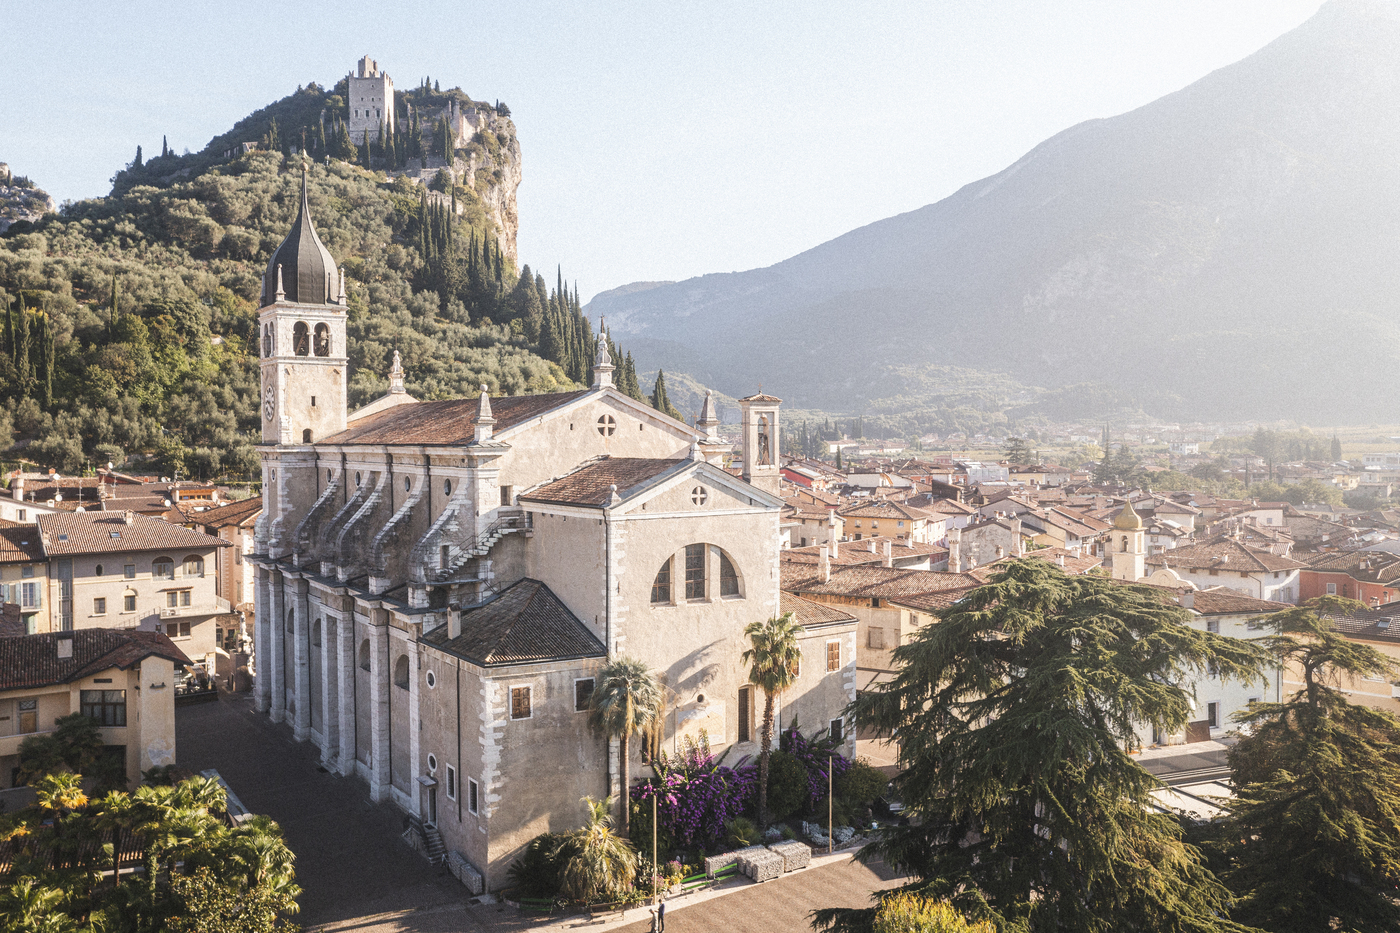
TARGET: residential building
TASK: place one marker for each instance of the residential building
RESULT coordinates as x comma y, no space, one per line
1369,577
124,680
1223,561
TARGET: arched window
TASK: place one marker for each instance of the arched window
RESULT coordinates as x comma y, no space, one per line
97,571
323,340
765,450
301,339
268,334
401,672
192,567
661,586
364,655
306,435
316,634
163,568
728,578
695,571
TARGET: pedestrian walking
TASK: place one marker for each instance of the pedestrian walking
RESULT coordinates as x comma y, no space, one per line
661,918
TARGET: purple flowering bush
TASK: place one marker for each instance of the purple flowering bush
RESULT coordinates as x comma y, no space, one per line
697,795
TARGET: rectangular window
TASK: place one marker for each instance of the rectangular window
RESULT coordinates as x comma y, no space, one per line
1331,589
519,702
105,707
99,606
837,732
28,716
472,793
172,599
661,586
29,595
451,783
746,714
27,571
23,514
177,629
129,602
184,597
875,638
833,656
1213,625
129,571
583,693
1213,714
695,571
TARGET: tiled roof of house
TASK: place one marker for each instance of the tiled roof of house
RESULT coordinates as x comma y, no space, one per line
882,582
882,508
446,423
591,484
947,507
526,623
1365,566
1220,600
237,514
112,532
1070,561
33,661
20,545
807,612
858,552
1223,554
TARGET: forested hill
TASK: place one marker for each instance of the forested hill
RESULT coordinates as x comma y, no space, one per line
129,319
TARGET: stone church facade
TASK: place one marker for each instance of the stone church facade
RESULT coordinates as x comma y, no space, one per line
438,582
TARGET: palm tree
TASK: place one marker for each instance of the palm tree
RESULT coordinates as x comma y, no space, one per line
599,864
626,699
772,660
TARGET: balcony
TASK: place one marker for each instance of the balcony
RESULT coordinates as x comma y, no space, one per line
217,606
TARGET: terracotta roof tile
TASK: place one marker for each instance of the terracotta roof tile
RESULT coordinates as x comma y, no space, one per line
446,423
33,661
20,545
109,532
526,623
591,485
1223,554
807,612
234,513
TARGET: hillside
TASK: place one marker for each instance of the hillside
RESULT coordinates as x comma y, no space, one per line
1227,250
126,322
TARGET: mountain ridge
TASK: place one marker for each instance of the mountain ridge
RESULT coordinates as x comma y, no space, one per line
1152,249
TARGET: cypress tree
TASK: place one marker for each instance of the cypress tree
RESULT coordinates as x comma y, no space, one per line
321,136
44,365
1336,447
659,401
23,371
137,163
164,146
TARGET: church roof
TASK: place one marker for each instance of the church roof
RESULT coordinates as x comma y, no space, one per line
762,399
309,274
591,485
524,624
446,423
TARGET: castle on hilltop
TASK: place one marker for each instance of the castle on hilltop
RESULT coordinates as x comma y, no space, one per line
371,101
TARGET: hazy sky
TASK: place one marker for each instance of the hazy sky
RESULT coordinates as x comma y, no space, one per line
660,140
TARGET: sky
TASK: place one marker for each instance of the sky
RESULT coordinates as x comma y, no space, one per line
660,140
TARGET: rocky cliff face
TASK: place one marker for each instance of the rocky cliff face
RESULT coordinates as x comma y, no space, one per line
491,163
20,201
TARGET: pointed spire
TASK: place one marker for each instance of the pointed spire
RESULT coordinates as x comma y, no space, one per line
341,298
708,422
485,421
396,376
281,292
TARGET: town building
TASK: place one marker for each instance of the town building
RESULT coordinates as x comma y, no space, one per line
125,680
371,102
439,583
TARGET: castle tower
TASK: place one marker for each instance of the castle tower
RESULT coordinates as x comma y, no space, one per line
371,101
302,331
760,441
1126,543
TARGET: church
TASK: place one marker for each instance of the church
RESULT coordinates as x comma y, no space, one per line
438,582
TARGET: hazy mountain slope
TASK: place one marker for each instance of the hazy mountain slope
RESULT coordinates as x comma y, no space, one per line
1230,248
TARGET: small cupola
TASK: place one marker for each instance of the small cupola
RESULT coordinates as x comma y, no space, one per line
301,270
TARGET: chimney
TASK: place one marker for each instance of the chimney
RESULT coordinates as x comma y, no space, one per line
831,535
1187,600
128,517
454,623
889,554
1016,537
824,564
1001,552
955,550
17,485
1062,561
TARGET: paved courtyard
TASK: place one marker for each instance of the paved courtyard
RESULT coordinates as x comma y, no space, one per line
358,874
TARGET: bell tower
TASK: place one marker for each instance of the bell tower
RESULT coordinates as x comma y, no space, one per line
760,441
1129,554
301,331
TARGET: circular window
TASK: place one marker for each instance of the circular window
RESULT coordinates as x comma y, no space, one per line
447,487
357,478
700,698
407,484
607,425
699,495
431,678
97,571
432,762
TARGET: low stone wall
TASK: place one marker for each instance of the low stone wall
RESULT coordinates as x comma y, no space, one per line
794,854
761,865
463,871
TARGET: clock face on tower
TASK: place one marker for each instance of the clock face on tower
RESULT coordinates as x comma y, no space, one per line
269,402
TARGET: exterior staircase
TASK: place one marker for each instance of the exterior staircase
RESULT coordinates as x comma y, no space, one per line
436,851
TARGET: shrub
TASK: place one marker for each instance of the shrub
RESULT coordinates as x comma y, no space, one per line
696,796
536,872
743,832
861,783
909,913
787,785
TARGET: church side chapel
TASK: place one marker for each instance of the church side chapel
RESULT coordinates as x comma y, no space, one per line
438,582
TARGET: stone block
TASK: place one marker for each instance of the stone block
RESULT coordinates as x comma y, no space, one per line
761,865
718,863
795,854
843,835
463,871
